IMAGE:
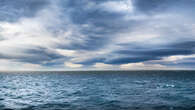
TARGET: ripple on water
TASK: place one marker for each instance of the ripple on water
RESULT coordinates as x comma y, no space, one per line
94,91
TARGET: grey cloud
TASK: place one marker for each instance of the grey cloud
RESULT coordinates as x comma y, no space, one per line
11,10
94,29
35,55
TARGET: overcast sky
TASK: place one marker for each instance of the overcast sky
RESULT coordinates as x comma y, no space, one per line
97,34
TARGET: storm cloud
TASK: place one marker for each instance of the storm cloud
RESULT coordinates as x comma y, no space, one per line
86,34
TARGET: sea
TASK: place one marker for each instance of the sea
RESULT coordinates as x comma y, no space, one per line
97,90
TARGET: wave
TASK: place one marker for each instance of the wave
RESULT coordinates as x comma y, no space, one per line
104,106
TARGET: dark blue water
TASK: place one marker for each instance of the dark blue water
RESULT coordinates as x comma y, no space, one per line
130,90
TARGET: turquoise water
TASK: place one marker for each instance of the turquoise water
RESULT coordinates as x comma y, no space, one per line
98,90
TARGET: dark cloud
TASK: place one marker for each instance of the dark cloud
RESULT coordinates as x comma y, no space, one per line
151,6
138,54
93,61
146,55
124,60
185,45
36,55
155,53
39,55
112,23
159,6
102,24
96,29
11,10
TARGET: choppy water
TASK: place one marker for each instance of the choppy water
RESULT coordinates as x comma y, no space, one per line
130,90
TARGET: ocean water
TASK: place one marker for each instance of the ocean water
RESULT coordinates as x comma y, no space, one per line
98,90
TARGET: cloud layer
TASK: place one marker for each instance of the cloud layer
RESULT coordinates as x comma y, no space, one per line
97,34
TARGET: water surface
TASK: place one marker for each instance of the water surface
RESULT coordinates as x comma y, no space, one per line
98,90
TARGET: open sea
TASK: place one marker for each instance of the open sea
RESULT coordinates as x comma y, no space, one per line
98,90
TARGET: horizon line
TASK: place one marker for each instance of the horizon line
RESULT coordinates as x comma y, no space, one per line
93,70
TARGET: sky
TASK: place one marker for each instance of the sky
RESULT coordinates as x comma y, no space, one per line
97,34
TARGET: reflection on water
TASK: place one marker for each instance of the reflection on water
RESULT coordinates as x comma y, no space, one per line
105,90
